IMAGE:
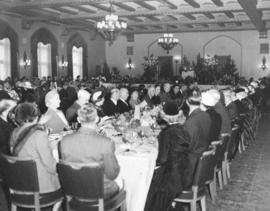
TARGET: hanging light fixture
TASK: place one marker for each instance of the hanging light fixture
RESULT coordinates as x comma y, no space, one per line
111,26
168,42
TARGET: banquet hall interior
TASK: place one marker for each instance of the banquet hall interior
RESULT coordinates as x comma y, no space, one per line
134,105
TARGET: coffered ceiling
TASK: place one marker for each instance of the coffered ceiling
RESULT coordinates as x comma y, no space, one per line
146,16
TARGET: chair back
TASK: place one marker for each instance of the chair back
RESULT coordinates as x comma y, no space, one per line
221,148
233,143
82,181
203,168
19,174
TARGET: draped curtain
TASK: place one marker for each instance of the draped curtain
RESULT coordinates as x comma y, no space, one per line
77,41
5,55
11,52
44,60
77,61
45,37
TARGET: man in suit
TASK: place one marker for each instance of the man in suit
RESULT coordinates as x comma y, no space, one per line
110,107
55,119
231,105
165,95
226,125
207,104
148,97
83,98
88,146
198,125
123,105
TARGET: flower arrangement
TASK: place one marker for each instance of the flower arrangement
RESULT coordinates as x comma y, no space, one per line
150,67
210,60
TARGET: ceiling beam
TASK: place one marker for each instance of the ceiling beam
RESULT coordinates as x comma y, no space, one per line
145,5
193,3
169,4
160,12
152,18
172,17
64,10
101,7
229,14
135,19
189,16
255,16
125,7
84,9
209,15
218,3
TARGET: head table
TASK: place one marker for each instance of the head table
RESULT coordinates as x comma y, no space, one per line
137,162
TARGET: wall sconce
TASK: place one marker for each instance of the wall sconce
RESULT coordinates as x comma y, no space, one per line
263,66
176,60
63,64
26,62
130,66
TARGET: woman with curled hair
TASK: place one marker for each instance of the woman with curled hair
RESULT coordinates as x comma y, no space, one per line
88,146
30,141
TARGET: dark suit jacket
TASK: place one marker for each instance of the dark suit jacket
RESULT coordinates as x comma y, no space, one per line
5,133
233,110
123,107
87,146
215,125
148,100
110,108
71,113
198,125
226,126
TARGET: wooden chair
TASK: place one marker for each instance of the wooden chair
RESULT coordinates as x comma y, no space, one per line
21,177
232,148
83,187
197,191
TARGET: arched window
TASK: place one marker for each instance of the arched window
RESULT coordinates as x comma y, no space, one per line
44,60
77,61
5,57
77,56
8,51
44,53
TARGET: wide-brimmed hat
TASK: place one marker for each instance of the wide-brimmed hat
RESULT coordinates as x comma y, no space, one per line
97,96
170,108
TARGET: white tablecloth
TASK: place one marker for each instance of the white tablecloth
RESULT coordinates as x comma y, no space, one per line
137,168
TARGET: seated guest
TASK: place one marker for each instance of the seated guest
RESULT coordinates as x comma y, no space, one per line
208,103
87,146
6,104
134,99
156,100
198,125
171,162
110,105
97,100
30,141
231,105
165,95
83,98
226,126
56,120
148,97
122,103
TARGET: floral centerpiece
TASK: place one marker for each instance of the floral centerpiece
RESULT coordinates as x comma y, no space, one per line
150,67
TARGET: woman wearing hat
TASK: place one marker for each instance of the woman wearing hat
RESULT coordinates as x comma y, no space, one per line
171,162
97,99
30,141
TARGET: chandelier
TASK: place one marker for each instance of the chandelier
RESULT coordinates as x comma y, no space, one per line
168,42
111,26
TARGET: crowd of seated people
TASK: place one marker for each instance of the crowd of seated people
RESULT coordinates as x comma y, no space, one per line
193,119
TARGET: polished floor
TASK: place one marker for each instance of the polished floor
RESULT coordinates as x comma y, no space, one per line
249,187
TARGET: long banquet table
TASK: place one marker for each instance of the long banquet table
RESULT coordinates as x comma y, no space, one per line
137,163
